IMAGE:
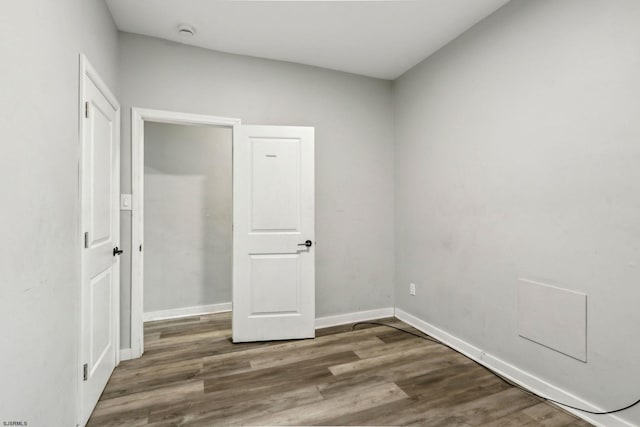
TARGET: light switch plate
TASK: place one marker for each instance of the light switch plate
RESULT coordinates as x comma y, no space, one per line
125,202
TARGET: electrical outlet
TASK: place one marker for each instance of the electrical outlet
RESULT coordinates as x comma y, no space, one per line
412,288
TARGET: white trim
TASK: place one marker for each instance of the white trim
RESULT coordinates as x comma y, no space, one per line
357,316
186,311
86,69
513,373
138,117
125,354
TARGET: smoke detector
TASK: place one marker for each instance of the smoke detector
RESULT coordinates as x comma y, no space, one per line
186,30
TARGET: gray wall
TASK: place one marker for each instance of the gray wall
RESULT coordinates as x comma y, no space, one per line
40,43
517,156
188,211
354,152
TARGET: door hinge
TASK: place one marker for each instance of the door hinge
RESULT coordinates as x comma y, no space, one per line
86,240
86,109
140,247
85,372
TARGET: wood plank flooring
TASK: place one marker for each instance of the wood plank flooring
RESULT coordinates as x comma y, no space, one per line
191,374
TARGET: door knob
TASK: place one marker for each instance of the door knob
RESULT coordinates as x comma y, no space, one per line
117,251
308,243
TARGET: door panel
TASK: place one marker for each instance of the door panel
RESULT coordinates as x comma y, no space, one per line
277,274
275,185
100,147
101,230
100,291
274,283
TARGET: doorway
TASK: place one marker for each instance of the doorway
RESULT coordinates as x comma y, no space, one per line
181,216
273,235
99,237
188,220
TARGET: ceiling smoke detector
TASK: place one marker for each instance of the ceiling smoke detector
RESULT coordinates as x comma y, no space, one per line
186,30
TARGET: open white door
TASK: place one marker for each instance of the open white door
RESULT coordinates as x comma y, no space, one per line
100,283
273,233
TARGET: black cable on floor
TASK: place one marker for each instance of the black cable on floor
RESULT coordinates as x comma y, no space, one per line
506,380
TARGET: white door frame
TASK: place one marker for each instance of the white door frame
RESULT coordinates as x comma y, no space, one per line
87,70
138,117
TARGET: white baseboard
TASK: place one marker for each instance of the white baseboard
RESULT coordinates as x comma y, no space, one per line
321,322
513,373
126,354
185,311
357,316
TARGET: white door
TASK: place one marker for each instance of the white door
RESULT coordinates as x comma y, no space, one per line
100,187
273,236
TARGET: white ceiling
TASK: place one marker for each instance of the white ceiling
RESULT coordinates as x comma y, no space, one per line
373,38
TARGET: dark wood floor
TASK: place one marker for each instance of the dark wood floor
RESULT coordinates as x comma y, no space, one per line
191,374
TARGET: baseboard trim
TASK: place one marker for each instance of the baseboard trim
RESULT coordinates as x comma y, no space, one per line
126,354
185,312
357,316
513,373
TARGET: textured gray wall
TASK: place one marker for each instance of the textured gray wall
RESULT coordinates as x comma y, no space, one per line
352,116
188,209
40,43
517,155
